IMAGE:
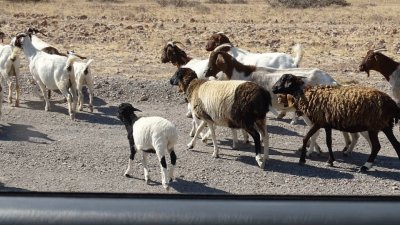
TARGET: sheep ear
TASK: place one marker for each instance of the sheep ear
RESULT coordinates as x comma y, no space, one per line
135,109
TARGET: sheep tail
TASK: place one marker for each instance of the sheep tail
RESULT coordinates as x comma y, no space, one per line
86,71
299,51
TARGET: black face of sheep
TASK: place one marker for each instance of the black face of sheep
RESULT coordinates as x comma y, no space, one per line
288,84
126,113
216,40
182,78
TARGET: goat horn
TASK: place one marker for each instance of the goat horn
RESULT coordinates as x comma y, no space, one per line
221,32
379,50
178,42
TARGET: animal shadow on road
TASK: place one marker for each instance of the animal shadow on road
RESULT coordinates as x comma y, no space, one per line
191,187
22,132
4,188
105,115
294,168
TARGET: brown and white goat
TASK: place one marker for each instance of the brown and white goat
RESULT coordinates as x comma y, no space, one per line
375,60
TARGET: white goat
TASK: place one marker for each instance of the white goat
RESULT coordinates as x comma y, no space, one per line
9,68
51,72
82,72
149,134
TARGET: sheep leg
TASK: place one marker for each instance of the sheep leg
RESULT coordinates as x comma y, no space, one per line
145,168
310,133
164,174
313,143
295,119
373,135
196,134
354,140
328,132
234,138
245,136
257,145
189,112
347,141
389,134
173,164
317,148
214,139
263,130
131,148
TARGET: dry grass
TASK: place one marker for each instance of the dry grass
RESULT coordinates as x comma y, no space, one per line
127,37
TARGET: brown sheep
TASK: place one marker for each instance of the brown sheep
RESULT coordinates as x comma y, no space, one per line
345,108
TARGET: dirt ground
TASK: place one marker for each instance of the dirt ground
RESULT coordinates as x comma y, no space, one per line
46,151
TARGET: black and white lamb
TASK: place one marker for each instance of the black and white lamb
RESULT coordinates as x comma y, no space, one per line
345,108
150,134
234,104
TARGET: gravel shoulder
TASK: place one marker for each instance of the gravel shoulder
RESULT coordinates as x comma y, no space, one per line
46,151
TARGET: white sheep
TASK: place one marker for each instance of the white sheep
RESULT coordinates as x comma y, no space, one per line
149,134
9,70
51,72
233,104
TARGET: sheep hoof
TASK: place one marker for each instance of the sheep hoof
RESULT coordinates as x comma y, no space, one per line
80,108
204,140
329,164
166,186
281,115
127,175
16,104
190,146
215,155
91,108
363,169
302,162
189,115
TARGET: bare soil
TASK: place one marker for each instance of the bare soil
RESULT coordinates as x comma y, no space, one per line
46,151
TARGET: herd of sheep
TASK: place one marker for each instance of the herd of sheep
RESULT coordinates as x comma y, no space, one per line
233,88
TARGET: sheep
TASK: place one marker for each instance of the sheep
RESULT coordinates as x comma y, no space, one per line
50,71
345,108
82,71
149,134
234,104
350,143
267,77
2,36
375,60
9,67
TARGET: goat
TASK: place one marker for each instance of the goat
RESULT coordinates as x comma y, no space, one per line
50,71
9,68
149,134
375,60
82,71
234,104
345,108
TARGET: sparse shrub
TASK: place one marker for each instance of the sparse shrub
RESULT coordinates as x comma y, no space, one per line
202,9
306,3
34,1
177,3
239,1
218,1
111,1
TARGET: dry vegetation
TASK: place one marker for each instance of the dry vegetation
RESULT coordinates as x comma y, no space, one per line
126,37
